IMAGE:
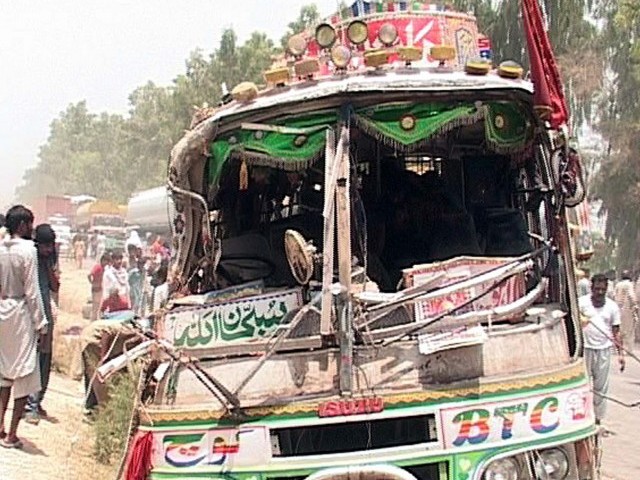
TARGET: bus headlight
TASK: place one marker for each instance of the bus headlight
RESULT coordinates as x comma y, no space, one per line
502,469
552,464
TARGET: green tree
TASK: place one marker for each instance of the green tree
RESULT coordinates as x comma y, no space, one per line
308,17
618,180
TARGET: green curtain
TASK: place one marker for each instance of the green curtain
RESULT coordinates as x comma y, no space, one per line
294,144
409,125
507,128
290,145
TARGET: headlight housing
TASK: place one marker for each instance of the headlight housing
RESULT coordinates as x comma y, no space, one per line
326,35
552,464
340,56
502,469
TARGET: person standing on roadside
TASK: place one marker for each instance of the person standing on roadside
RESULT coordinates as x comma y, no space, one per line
611,275
101,245
79,251
584,284
116,277
137,275
22,320
93,245
600,318
95,277
49,284
625,297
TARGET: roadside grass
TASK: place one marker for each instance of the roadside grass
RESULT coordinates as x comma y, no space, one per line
111,427
94,450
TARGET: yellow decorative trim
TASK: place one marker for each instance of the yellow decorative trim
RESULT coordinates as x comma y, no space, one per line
574,371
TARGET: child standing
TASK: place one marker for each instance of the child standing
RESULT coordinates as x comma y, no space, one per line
116,277
96,277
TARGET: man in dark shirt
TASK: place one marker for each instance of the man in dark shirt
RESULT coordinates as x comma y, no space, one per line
49,283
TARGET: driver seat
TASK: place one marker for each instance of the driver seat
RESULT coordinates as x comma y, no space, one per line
245,258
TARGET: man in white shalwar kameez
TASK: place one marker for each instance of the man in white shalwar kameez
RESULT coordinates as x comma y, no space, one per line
22,320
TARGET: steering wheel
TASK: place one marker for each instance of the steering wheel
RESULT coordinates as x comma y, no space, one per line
230,266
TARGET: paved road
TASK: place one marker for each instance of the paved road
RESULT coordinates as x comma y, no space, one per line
621,460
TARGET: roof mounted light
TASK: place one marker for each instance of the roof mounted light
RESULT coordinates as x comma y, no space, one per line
443,53
307,68
297,45
510,69
357,32
477,66
325,35
341,56
410,54
244,92
277,76
376,58
388,34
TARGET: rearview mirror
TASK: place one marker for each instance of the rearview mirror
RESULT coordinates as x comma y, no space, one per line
568,175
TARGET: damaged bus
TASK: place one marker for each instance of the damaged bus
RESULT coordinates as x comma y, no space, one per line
373,271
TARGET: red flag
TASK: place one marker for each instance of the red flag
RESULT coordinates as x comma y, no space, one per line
544,70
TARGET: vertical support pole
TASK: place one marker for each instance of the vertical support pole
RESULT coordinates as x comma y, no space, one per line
343,207
328,233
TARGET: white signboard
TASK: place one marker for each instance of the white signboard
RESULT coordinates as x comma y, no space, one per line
240,321
517,420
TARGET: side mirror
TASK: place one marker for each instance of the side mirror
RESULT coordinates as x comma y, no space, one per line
568,175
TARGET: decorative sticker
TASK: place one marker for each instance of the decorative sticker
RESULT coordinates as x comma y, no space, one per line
520,419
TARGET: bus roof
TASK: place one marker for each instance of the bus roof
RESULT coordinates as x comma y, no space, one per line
427,80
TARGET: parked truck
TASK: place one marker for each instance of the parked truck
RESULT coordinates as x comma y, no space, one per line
151,211
48,206
101,215
58,211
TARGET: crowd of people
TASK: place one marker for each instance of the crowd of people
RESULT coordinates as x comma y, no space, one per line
124,283
609,313
29,286
123,280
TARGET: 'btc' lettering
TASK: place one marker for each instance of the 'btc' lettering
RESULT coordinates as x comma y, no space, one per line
549,405
474,427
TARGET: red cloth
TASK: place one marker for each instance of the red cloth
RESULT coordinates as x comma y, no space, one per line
139,464
114,303
544,71
97,272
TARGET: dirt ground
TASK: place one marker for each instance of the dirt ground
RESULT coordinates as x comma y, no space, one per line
61,446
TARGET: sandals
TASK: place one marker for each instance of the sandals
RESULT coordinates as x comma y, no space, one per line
4,443
32,417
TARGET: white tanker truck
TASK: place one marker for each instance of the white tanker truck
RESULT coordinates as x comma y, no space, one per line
151,211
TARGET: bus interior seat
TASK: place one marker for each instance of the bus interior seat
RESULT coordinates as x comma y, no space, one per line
455,235
506,232
245,258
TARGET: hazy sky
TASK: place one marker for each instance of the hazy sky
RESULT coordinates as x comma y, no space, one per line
55,52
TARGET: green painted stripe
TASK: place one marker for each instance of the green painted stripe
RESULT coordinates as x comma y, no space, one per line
175,474
276,419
